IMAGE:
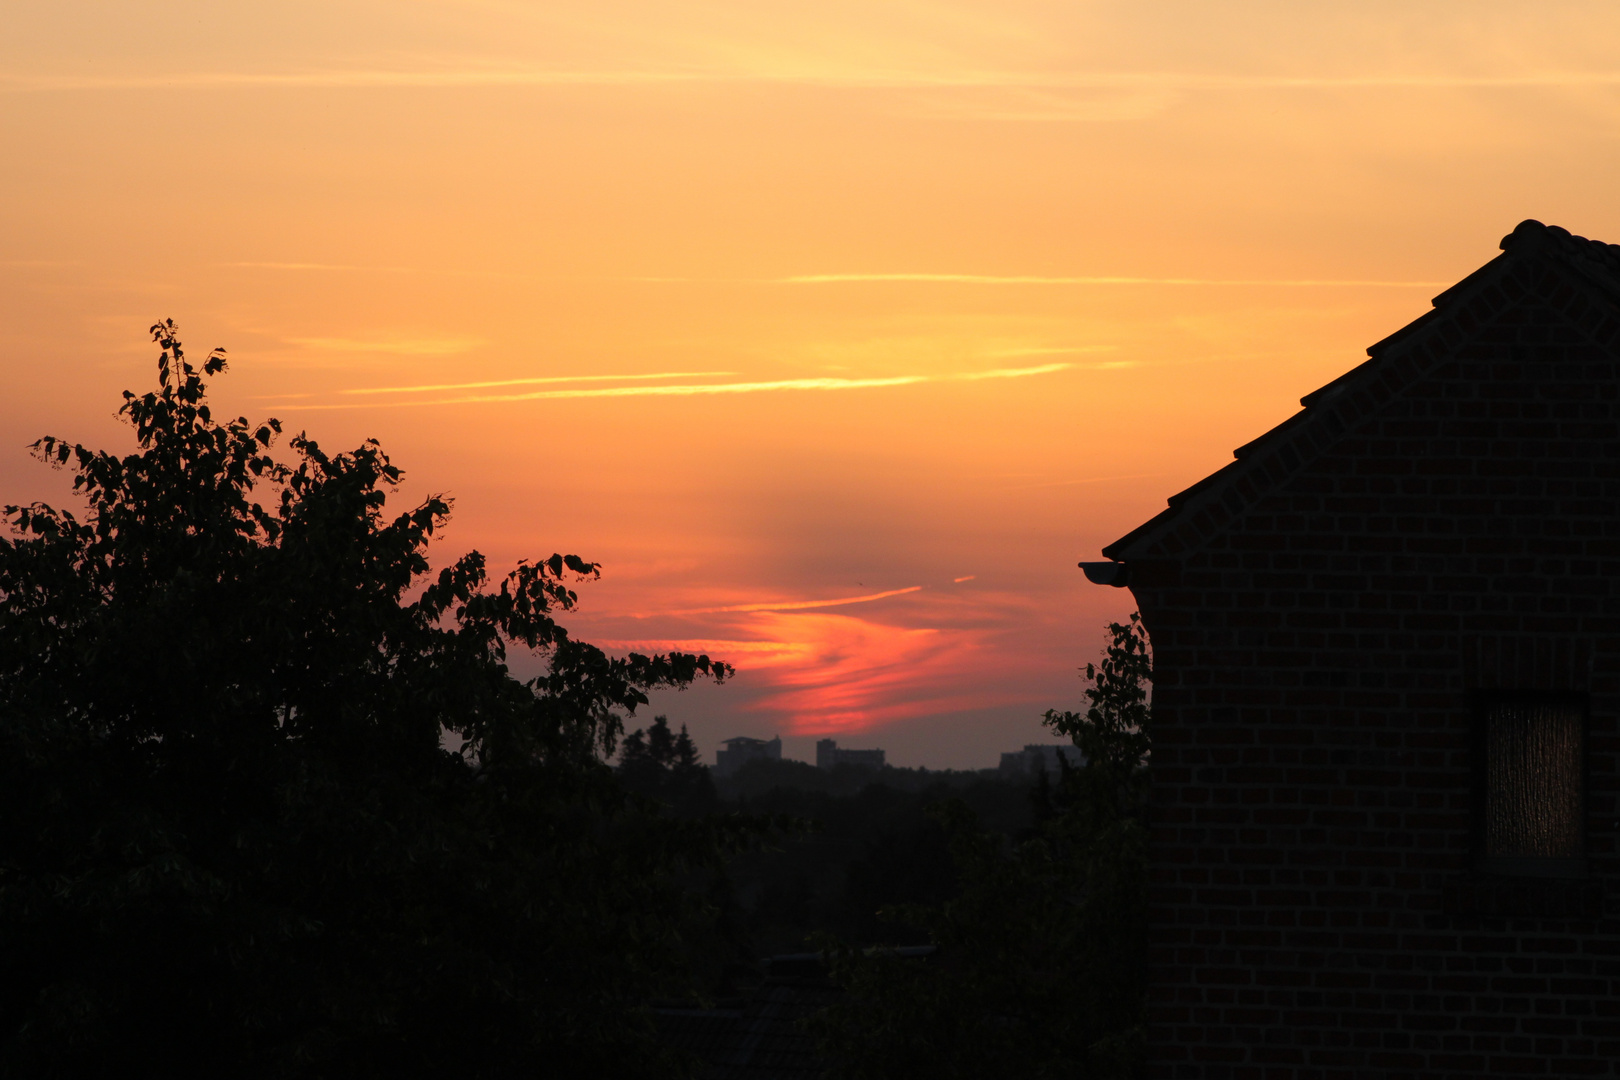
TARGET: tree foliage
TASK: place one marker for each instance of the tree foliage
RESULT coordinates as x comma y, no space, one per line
275,805
665,766
1040,961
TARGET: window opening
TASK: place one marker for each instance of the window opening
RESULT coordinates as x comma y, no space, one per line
1534,785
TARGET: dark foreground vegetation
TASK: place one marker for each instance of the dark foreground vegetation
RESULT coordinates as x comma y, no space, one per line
238,841
856,842
1040,968
1031,898
275,806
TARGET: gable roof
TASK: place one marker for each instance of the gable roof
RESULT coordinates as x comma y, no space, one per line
1592,269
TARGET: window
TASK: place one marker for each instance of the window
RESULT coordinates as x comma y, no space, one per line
1531,784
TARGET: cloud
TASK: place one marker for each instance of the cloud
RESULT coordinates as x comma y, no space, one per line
810,670
1142,82
1035,104
410,347
1028,279
795,605
1010,373
823,673
695,389
1053,350
682,390
959,580
918,277
526,382
315,266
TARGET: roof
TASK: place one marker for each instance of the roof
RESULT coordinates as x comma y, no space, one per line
1328,412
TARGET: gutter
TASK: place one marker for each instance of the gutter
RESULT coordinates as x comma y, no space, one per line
1116,574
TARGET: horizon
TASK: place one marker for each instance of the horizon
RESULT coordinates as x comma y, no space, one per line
838,335
809,742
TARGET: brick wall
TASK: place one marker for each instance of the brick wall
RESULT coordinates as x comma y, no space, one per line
1448,523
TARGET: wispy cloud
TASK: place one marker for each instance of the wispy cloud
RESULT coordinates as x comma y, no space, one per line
491,75
681,390
1028,279
863,673
358,78
792,605
407,346
533,381
855,662
701,389
316,266
959,580
1010,373
860,278
1038,104
1052,350
826,671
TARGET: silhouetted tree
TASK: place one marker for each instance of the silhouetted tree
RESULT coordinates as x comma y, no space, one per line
1041,961
273,803
665,767
686,752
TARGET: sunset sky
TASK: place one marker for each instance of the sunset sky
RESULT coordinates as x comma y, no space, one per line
837,332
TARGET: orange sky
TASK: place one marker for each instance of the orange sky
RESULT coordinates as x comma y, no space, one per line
765,305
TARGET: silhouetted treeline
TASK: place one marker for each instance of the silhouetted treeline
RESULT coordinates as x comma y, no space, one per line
1031,897
1040,961
872,841
273,803
851,841
275,806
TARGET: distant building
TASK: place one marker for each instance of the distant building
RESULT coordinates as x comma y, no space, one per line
1040,757
736,752
828,755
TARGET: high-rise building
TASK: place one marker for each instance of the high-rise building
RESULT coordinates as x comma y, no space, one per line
734,753
828,755
1041,757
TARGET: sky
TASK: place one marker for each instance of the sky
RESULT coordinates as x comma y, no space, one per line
836,332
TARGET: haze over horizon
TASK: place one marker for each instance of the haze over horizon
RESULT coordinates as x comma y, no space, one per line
838,333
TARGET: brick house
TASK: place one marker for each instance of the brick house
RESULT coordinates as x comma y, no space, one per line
1387,645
